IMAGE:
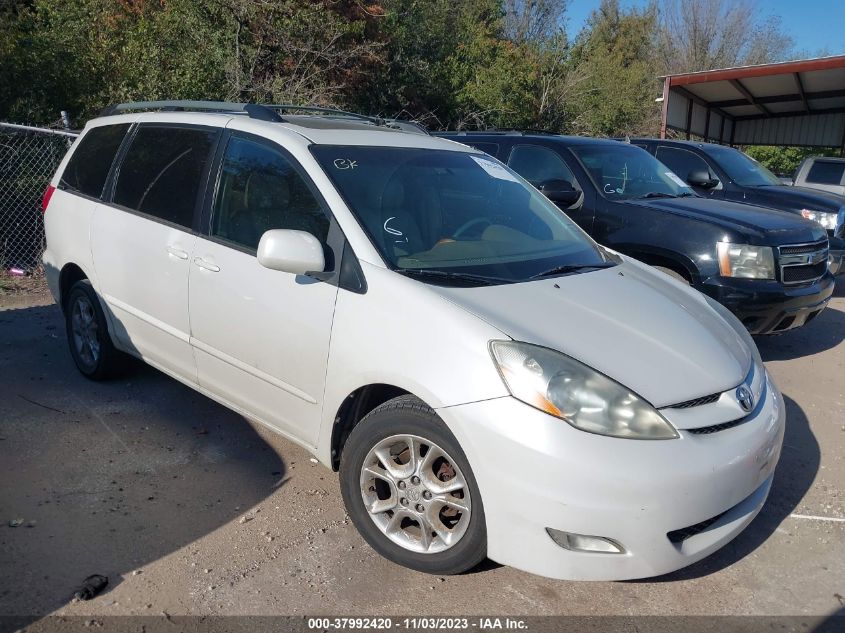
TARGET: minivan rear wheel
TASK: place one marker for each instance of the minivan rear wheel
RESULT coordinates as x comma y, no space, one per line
88,335
410,491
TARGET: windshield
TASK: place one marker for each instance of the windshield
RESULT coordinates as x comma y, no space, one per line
623,172
439,214
742,169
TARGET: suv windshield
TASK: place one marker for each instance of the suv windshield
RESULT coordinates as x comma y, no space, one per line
449,216
742,169
623,172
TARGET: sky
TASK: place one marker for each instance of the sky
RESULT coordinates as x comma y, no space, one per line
815,25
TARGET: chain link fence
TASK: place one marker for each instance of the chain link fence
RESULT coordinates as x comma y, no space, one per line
29,156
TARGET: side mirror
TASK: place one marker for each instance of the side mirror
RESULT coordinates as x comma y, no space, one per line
560,191
700,178
296,252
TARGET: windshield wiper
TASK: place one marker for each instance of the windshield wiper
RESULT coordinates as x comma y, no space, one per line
450,275
657,194
572,268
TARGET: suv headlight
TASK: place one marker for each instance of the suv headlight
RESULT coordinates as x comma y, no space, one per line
571,391
827,220
746,261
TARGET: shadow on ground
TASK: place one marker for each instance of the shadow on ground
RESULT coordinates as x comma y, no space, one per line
107,477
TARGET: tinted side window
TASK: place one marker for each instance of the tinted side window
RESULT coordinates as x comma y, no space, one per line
89,166
826,173
259,190
162,172
539,164
681,161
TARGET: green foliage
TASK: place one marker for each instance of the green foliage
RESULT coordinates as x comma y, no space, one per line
616,56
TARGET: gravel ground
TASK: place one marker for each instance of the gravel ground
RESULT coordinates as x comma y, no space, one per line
190,509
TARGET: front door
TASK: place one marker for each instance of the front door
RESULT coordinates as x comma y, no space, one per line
261,336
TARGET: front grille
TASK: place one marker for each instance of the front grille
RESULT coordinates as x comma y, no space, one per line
696,402
799,249
797,274
802,263
679,536
715,428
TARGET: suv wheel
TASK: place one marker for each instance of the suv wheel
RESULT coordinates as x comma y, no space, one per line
88,335
410,491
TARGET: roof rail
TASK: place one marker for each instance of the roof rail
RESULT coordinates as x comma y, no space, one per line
504,131
252,110
263,112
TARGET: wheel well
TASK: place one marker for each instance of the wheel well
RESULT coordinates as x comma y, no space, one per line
70,274
666,262
357,405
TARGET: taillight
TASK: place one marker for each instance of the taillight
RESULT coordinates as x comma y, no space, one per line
46,199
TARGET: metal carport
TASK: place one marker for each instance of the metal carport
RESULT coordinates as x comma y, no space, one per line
790,103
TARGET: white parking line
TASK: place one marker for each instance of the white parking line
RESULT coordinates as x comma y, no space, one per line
815,518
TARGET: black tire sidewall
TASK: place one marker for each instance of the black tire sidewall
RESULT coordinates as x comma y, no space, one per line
106,362
410,416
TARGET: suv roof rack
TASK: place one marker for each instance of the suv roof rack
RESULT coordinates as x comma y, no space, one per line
263,112
506,131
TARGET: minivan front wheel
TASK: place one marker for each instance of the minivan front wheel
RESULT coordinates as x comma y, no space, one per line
410,492
87,332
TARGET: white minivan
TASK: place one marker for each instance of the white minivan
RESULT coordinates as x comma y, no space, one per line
488,381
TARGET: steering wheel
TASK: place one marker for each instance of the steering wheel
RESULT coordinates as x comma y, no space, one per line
466,226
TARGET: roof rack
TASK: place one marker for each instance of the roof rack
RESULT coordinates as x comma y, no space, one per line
252,110
506,131
262,112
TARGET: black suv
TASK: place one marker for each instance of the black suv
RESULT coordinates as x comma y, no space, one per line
768,267
717,171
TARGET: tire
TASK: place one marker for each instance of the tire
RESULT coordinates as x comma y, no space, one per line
673,273
88,336
455,519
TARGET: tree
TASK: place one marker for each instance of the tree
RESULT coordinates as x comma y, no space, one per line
614,55
533,20
695,35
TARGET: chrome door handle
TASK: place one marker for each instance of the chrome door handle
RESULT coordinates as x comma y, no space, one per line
206,265
177,252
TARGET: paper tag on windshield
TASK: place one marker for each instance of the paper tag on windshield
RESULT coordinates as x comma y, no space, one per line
671,176
494,169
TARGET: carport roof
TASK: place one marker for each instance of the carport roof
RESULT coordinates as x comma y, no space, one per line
789,103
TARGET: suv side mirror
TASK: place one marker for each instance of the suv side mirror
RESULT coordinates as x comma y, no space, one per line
560,191
700,178
296,252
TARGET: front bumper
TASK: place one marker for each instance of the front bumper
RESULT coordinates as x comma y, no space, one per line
767,306
536,472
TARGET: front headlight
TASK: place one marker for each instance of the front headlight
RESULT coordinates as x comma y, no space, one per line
827,220
571,391
746,261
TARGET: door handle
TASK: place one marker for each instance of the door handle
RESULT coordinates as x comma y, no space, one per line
206,265
177,252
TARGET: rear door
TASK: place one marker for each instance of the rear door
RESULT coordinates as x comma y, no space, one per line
261,336
143,236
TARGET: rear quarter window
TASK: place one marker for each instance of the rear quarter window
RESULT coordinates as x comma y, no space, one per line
163,171
825,172
89,165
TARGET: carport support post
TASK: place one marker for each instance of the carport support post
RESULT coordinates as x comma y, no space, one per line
664,107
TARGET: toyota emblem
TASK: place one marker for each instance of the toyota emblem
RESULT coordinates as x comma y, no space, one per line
745,398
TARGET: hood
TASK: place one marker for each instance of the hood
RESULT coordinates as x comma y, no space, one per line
769,225
647,332
796,198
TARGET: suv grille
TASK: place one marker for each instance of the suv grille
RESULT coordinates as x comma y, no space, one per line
801,263
706,430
